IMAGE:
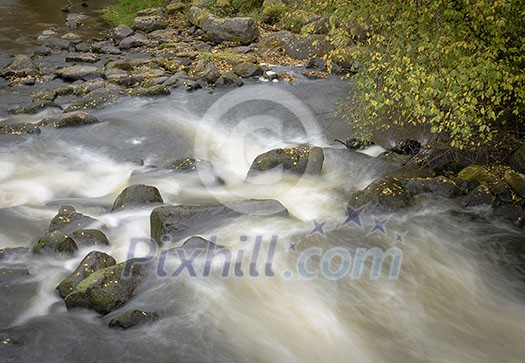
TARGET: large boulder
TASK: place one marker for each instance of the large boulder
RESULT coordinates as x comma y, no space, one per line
79,72
474,175
299,159
69,119
172,223
308,46
21,66
19,129
94,261
56,242
136,196
68,220
517,159
107,289
388,194
239,30
132,318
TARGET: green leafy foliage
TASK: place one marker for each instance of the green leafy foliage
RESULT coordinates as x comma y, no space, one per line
454,66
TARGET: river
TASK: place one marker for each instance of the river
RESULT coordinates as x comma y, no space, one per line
452,298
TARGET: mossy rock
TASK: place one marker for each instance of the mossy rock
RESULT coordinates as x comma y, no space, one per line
107,289
69,119
301,159
19,129
482,195
56,242
516,182
475,175
68,220
517,160
93,262
137,195
89,237
132,318
158,90
387,194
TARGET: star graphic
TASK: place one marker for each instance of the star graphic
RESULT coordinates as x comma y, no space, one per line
318,228
400,238
291,246
379,225
354,216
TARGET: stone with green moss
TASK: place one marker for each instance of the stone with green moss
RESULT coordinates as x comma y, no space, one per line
107,289
94,261
388,194
300,159
475,175
137,195
132,318
516,182
56,242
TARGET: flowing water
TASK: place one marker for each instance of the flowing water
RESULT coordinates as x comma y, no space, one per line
450,302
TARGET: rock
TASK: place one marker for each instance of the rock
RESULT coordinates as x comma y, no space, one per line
407,147
229,79
475,175
95,99
19,129
190,165
172,223
120,32
148,23
211,74
132,318
94,261
516,182
158,90
118,76
74,21
68,220
502,191
55,242
79,72
137,195
175,7
82,57
21,66
247,70
311,45
69,119
299,160
238,30
479,196
158,11
107,289
34,107
319,26
275,40
196,242
57,43
440,185
517,160
387,194
89,237
42,51
133,41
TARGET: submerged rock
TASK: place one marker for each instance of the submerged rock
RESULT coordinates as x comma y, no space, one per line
19,129
69,119
34,107
187,165
93,262
295,159
56,242
107,289
132,318
385,194
136,196
171,223
68,220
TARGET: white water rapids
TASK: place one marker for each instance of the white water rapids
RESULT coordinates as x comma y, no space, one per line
450,303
